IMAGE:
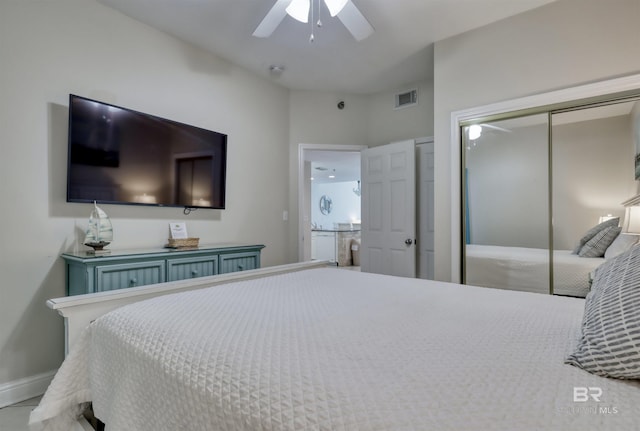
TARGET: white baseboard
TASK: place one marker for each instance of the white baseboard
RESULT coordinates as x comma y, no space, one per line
23,389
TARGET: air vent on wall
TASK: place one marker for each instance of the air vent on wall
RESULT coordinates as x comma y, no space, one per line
406,98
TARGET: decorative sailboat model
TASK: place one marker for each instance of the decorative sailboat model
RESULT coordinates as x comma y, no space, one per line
99,232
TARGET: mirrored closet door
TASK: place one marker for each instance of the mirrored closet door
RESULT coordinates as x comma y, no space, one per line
536,187
593,174
506,181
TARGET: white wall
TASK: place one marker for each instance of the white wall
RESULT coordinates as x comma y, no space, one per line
562,44
346,204
51,49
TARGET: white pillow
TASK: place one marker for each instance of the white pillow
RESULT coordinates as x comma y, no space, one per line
622,243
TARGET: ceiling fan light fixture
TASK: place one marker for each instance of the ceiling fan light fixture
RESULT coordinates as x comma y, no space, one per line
475,131
335,6
299,10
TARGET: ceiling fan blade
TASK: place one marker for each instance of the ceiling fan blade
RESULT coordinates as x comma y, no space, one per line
491,126
273,19
355,22
299,10
335,6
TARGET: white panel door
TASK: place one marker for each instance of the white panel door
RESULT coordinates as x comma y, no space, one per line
388,209
426,212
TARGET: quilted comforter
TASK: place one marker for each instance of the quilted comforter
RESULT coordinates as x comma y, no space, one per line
329,349
527,269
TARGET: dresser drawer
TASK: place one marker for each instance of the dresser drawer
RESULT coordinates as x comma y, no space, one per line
110,277
181,269
233,262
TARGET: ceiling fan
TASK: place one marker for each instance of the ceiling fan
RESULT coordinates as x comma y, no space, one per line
475,130
300,10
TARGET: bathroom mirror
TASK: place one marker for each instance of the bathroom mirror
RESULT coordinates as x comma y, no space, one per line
325,204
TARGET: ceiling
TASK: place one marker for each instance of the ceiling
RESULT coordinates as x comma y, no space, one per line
343,165
399,53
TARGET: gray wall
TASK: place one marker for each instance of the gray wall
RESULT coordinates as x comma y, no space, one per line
593,174
508,187
50,49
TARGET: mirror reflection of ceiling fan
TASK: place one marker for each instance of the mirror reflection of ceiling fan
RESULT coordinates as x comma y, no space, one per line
475,131
300,10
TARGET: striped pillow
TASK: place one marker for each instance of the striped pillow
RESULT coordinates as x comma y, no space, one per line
597,246
594,230
610,341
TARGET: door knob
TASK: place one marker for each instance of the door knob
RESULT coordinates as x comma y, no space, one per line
408,241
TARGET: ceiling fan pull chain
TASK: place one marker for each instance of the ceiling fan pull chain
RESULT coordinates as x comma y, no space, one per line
319,23
312,37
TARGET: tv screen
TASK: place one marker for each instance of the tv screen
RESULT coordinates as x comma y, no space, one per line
120,156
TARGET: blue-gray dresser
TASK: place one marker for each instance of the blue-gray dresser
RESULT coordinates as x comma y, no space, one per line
120,269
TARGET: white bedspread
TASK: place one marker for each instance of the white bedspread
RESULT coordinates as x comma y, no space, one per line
329,349
527,269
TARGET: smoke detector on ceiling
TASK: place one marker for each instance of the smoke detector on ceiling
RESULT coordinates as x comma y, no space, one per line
276,70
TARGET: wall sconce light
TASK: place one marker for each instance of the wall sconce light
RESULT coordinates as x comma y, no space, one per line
605,218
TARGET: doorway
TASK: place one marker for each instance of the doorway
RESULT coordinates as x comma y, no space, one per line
335,170
425,199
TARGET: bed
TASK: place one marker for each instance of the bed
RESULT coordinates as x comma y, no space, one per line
527,269
331,349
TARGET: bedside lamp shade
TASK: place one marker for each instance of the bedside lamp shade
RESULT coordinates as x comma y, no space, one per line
605,218
632,220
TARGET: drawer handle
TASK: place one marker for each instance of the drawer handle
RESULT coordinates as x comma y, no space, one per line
194,273
133,282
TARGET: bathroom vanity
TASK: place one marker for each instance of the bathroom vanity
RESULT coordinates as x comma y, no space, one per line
333,245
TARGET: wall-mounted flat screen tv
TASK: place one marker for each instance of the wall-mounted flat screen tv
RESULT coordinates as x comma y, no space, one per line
121,156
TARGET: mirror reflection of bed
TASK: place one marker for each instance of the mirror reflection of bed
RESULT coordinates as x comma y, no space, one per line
536,185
